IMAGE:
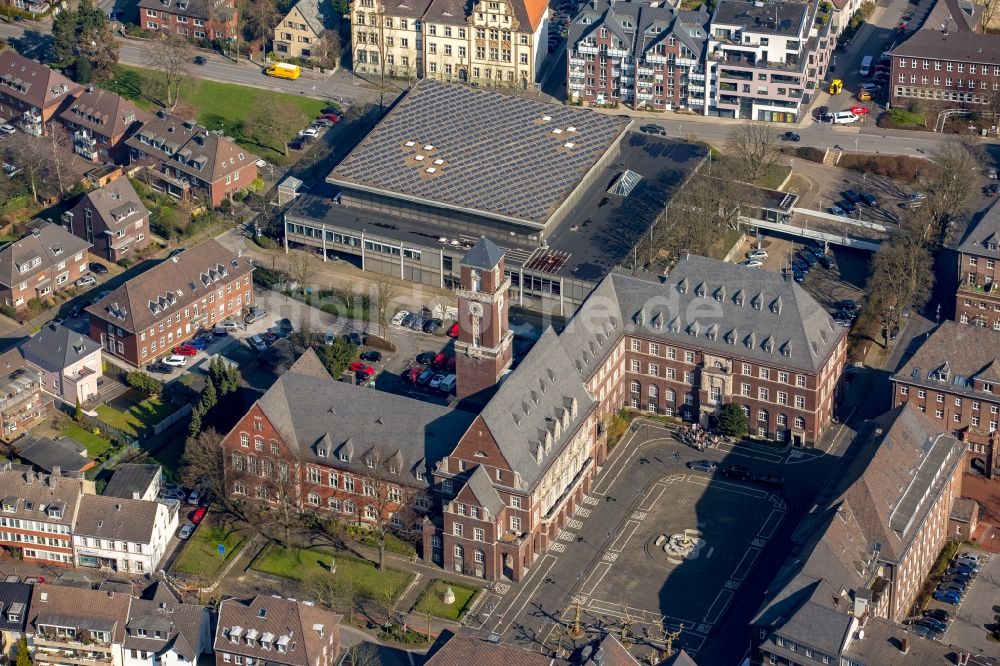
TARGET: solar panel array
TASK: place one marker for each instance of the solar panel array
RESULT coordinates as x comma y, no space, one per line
501,154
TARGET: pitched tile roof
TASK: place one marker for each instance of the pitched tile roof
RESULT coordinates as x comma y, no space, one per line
466,649
641,24
300,627
189,147
39,496
66,454
49,243
117,203
170,286
103,112
56,347
168,626
983,238
610,652
203,9
529,13
968,353
14,600
883,642
955,15
130,478
481,486
117,518
33,83
79,607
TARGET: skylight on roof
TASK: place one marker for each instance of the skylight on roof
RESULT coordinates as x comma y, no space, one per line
568,144
546,118
625,183
409,144
557,131
428,147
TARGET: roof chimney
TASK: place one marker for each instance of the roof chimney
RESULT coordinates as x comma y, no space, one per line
685,254
904,645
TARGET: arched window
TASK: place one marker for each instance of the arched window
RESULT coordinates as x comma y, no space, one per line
313,499
668,395
636,387
333,504
348,506
800,422
762,415
459,552
653,391
480,557
782,420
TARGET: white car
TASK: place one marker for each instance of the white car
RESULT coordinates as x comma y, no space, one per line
194,497
753,263
8,129
176,360
258,343
757,253
837,210
86,281
186,531
309,131
400,316
330,337
436,381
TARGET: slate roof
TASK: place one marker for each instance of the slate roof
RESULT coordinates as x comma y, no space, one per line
680,658
970,352
484,254
116,203
882,643
169,626
492,153
481,486
37,494
652,24
50,242
185,277
773,18
962,509
79,607
55,347
536,410
203,9
130,478
103,113
279,617
33,83
46,454
983,238
321,415
116,518
610,652
12,594
956,15
317,18
971,47
465,649
405,8
189,147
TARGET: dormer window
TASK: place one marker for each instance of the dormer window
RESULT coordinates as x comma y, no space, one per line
344,457
321,452
371,463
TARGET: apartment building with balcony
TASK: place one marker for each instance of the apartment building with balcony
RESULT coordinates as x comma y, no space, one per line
166,633
191,19
112,219
37,513
272,631
32,94
70,362
22,403
768,59
99,122
977,300
954,378
639,56
48,259
146,316
70,626
184,159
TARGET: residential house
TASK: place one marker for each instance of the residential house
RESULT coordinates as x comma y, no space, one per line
31,94
346,452
209,20
70,626
181,156
954,378
300,31
46,260
149,314
122,534
37,513
135,481
871,550
100,121
70,363
946,67
639,56
166,633
273,631
22,404
387,37
841,12
54,456
112,219
977,301
14,600
768,59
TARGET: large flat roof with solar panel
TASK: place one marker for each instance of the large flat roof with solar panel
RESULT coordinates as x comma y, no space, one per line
494,153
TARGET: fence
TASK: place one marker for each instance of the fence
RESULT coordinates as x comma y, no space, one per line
182,413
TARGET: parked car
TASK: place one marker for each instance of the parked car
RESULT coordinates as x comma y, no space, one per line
970,556
354,338
7,129
418,323
397,320
436,381
357,366
952,587
412,375
185,350
653,129
924,632
159,368
329,339
257,343
836,210
371,356
432,326
859,110
199,515
407,320
752,263
440,360
739,472
34,580
852,196
956,577
809,258
309,131
948,597
255,315
757,253
285,327
100,269
175,361
86,281
939,614
869,199
425,377
12,579
849,207
991,189
321,122
702,465
798,276
426,358
772,480
194,497
957,569
936,625
298,143
332,117
453,331
186,530
448,385
791,136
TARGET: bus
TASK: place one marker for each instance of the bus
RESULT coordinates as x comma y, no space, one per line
283,70
866,66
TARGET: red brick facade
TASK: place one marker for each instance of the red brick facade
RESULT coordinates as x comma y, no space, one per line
977,300
483,349
174,17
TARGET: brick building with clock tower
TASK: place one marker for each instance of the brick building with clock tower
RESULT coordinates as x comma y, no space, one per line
483,348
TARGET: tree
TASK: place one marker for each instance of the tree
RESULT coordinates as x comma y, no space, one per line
60,158
337,357
203,464
362,654
33,155
384,502
754,146
23,656
731,421
259,18
78,411
385,292
82,38
301,267
949,187
900,281
327,51
338,593
171,56
268,124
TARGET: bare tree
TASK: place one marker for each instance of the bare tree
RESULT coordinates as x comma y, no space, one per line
171,56
33,156
384,503
259,18
338,593
754,145
362,654
301,267
267,124
203,464
327,51
60,158
441,302
385,292
949,187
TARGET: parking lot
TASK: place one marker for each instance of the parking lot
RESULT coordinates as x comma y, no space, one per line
977,610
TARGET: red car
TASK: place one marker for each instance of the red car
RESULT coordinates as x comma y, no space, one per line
357,366
199,515
453,331
412,375
440,360
332,117
364,372
185,350
860,110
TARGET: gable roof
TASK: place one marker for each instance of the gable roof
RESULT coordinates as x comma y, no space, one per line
66,454
169,626
484,254
983,238
80,607
129,478
971,47
969,353
36,495
56,347
481,487
32,83
103,112
529,13
955,16
49,243
641,25
117,204
189,147
14,599
302,626
117,518
203,9
465,649
316,17
171,285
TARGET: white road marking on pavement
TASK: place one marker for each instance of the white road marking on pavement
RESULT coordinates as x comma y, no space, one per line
746,564
627,531
730,487
722,600
512,617
654,495
600,570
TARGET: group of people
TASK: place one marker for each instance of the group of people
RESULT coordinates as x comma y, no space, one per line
697,436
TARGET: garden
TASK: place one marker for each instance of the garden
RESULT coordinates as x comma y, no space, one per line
133,412
201,556
431,602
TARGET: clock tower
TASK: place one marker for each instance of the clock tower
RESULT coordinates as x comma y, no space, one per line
483,349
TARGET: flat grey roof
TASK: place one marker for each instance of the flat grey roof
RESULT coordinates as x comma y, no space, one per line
495,153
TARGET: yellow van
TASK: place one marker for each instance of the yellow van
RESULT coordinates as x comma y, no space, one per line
283,70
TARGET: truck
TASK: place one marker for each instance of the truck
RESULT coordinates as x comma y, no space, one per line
284,70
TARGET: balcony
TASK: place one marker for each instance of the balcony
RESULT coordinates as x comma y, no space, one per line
617,53
585,48
627,80
986,289
577,62
67,643
735,74
657,59
644,97
645,71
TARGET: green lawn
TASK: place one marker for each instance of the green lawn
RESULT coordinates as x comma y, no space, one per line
96,445
431,600
904,117
217,105
304,564
201,557
138,417
15,204
775,176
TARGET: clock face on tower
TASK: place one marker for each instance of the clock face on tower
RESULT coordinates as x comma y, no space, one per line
476,309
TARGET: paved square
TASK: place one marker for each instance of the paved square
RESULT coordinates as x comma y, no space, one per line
977,611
